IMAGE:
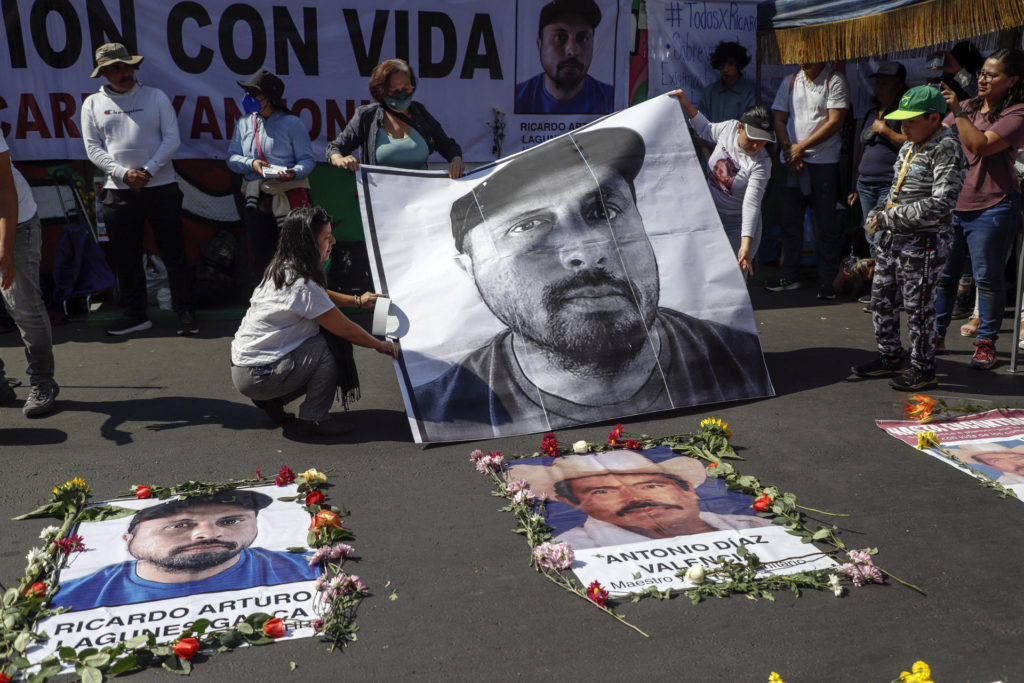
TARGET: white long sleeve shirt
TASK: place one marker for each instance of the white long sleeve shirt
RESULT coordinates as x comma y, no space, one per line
135,129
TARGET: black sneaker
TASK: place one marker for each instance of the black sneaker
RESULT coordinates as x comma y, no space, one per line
7,395
964,304
275,409
187,325
866,299
827,292
782,285
913,380
328,427
879,367
128,325
41,399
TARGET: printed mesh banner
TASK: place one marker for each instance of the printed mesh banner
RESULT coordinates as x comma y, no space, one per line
585,279
470,57
990,444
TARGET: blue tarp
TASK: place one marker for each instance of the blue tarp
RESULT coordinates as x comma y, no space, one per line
793,13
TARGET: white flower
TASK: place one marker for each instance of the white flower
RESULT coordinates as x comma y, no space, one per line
48,532
36,556
836,588
580,447
695,574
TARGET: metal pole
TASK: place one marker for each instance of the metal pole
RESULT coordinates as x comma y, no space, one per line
1015,327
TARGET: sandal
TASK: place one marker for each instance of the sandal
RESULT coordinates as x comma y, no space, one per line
970,328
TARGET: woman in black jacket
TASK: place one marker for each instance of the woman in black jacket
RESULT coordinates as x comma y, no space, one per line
394,130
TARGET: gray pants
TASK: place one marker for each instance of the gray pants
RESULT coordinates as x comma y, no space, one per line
24,302
309,369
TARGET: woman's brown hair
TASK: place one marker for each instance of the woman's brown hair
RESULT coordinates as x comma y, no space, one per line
382,72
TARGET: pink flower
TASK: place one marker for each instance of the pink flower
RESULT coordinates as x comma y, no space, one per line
553,555
487,463
549,445
597,594
317,624
284,476
71,544
340,550
861,569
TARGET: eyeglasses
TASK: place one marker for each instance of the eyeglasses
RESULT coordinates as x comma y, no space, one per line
987,76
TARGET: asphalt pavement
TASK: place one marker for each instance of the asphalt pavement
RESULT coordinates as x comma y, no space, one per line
156,408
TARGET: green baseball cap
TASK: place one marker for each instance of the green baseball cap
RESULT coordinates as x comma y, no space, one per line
924,99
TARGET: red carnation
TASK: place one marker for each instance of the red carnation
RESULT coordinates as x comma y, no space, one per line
597,594
549,444
285,476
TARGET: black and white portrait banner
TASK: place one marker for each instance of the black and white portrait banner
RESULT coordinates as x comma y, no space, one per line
582,280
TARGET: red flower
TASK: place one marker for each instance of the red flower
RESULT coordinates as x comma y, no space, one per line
259,475
186,648
615,435
325,518
597,594
764,503
285,476
37,589
4,678
143,491
274,628
71,544
714,464
549,445
632,445
314,498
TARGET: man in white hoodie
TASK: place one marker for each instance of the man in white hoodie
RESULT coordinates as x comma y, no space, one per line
131,134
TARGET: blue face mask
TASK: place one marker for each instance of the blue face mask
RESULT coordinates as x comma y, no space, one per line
251,105
400,101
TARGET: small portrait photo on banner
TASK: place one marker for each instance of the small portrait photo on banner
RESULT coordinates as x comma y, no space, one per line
186,546
620,497
565,56
1000,460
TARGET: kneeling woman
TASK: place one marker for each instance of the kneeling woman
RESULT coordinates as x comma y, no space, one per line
279,352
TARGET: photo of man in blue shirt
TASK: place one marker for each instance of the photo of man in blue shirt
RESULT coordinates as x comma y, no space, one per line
188,546
565,40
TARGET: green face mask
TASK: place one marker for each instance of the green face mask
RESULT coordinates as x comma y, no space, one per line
400,101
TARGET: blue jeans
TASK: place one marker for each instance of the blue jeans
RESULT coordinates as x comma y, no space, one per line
869,194
824,187
987,235
24,301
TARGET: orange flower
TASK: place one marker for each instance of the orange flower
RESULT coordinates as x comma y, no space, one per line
325,518
920,408
37,589
274,628
186,648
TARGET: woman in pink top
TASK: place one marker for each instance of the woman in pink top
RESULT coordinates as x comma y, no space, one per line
991,128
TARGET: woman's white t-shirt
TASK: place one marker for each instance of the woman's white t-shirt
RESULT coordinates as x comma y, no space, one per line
278,321
737,179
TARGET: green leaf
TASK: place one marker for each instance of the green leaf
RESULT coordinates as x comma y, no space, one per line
48,510
257,619
297,549
137,641
199,626
244,628
120,666
22,642
10,596
393,596
230,639
98,660
67,653
89,674
288,499
98,513
820,535
292,666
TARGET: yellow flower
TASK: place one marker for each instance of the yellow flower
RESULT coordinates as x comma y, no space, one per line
313,477
922,673
775,678
927,440
715,424
76,484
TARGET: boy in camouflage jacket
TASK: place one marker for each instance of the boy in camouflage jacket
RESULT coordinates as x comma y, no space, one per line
916,226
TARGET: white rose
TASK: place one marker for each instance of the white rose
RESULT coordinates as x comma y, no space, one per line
580,447
695,574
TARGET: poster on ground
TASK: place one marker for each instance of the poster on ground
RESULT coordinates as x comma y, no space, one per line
636,519
991,444
585,279
219,557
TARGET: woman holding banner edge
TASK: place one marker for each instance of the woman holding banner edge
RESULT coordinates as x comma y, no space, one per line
738,173
394,130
